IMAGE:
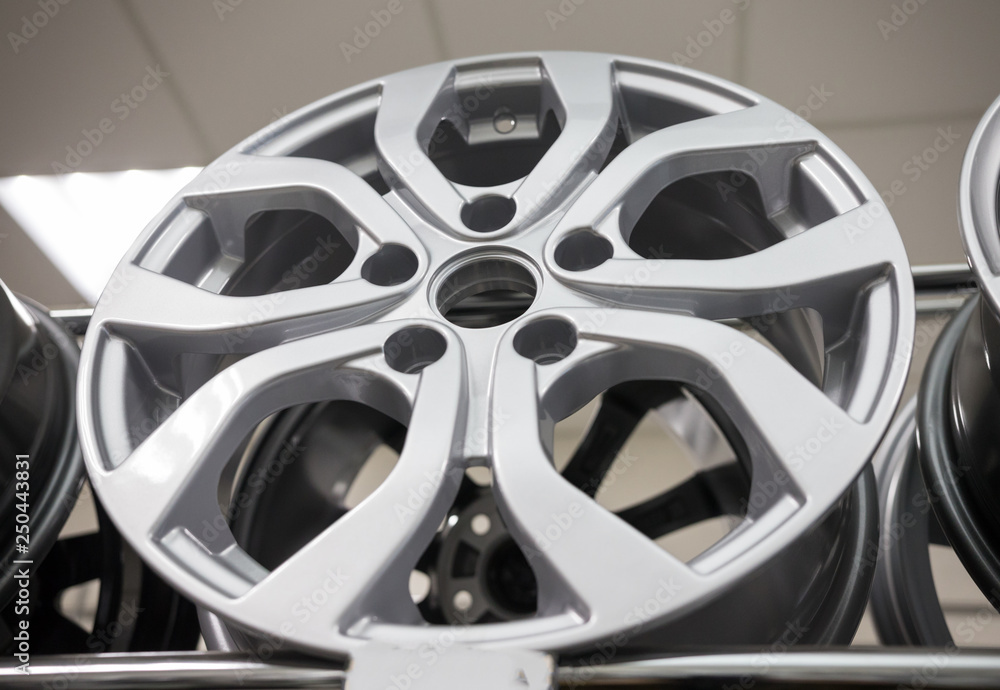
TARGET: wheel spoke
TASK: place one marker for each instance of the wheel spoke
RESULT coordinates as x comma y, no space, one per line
401,139
263,183
789,425
708,494
798,272
172,476
574,545
713,144
589,129
586,138
223,324
227,324
375,546
72,561
621,410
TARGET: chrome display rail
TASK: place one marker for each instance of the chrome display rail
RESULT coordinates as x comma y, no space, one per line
760,669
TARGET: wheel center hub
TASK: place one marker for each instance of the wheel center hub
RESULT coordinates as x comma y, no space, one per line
485,289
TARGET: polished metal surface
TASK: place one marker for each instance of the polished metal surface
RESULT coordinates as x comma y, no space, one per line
936,667
324,258
168,670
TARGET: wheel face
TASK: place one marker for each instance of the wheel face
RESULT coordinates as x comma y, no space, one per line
276,279
975,394
977,204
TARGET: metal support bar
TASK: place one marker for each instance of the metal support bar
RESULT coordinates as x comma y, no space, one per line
772,668
168,670
760,669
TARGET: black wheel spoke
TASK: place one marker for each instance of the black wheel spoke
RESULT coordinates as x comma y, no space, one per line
708,494
71,562
621,410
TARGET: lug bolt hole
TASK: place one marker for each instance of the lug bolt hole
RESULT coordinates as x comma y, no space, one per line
582,250
488,213
392,264
546,340
411,349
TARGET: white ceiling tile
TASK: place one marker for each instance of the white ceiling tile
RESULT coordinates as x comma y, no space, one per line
69,76
940,62
240,64
921,192
650,28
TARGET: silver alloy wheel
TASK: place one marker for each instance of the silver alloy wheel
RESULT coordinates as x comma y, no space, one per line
590,308
977,204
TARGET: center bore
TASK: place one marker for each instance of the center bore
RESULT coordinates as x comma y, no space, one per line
486,291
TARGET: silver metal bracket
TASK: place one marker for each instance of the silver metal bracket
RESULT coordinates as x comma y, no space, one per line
448,667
